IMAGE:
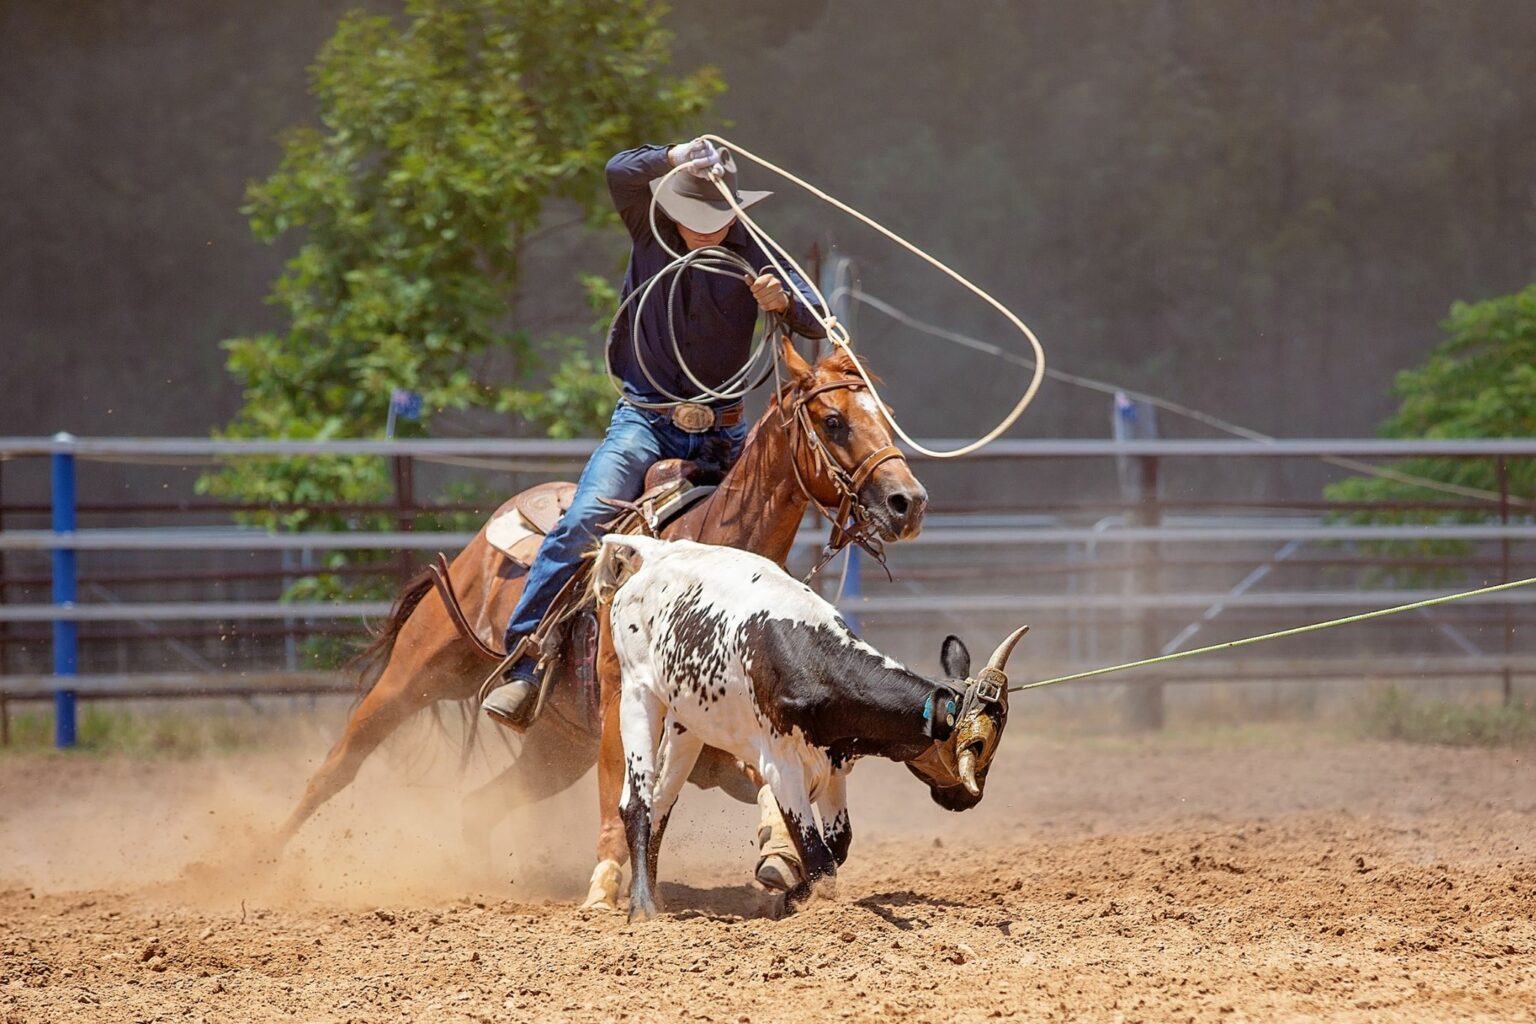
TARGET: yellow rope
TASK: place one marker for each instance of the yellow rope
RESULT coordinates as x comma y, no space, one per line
1297,631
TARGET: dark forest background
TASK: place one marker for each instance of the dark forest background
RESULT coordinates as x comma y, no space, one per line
1260,209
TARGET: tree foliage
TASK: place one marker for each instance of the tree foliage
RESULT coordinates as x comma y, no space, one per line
1480,382
444,136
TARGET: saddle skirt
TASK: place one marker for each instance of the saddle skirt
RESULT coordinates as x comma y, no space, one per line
522,524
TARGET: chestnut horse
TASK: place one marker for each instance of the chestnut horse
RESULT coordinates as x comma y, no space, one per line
822,439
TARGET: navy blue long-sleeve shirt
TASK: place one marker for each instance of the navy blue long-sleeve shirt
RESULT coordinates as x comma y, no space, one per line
714,314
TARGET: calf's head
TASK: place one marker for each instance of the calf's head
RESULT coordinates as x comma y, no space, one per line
956,768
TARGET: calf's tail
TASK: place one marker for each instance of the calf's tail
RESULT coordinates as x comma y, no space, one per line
619,556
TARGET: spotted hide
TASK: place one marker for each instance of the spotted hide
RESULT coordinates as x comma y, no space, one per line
720,647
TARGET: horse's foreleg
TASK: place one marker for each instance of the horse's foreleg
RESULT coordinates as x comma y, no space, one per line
779,868
612,844
778,859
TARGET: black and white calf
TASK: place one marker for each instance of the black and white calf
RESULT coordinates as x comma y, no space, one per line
720,647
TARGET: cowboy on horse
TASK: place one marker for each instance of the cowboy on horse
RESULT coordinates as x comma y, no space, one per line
822,442
674,359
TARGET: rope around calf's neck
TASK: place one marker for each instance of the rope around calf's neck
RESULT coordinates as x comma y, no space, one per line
837,334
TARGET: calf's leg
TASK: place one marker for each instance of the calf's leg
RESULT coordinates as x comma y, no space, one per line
640,719
832,806
679,751
790,789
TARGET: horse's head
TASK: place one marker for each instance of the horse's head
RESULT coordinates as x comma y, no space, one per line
846,451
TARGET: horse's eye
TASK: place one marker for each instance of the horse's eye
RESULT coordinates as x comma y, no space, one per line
832,421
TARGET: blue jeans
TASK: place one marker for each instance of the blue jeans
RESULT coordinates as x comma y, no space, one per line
636,440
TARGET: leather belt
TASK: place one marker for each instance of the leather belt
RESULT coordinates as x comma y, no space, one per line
694,418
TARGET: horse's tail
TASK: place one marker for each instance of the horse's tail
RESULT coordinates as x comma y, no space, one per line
370,661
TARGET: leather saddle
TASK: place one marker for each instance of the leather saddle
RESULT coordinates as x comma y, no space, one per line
670,490
567,636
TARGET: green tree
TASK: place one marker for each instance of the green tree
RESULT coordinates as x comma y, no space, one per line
444,136
1480,382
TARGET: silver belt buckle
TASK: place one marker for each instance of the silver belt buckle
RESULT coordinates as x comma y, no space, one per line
692,418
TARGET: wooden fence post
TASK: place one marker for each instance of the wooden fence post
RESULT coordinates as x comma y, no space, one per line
405,509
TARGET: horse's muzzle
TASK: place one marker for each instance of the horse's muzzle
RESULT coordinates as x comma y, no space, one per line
896,506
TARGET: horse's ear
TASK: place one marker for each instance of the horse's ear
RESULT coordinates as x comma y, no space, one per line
798,369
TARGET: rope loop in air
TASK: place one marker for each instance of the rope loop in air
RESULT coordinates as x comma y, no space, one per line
718,260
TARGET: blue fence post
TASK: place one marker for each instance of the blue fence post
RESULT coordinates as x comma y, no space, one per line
65,640
853,590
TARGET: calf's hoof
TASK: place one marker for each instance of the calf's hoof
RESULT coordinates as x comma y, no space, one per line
770,905
822,887
639,911
603,893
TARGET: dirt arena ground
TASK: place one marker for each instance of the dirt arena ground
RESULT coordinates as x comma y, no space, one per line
1261,876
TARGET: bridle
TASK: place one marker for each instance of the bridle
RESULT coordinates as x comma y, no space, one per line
850,520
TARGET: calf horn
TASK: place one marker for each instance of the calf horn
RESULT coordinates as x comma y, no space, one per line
999,660
967,766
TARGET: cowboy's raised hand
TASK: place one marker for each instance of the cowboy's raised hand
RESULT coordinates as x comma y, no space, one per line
770,294
697,158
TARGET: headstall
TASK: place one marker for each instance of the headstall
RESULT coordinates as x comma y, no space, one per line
850,520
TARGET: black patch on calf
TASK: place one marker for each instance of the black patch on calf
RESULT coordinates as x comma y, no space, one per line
637,829
691,651
839,836
815,858
841,696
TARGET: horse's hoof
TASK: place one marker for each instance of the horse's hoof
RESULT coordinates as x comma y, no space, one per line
603,892
777,873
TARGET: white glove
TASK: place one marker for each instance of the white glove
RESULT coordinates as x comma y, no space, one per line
699,158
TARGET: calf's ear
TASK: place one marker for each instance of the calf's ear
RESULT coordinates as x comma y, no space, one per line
955,658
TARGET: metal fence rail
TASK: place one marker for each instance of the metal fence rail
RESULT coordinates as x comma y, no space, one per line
1197,562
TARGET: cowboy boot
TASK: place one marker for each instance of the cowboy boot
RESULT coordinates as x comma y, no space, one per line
778,862
513,702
